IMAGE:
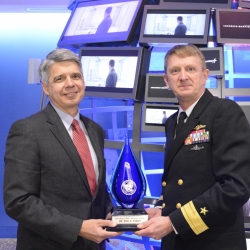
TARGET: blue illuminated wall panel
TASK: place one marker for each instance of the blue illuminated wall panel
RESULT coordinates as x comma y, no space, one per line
241,59
23,36
241,82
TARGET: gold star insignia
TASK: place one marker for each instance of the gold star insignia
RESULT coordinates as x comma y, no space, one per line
203,211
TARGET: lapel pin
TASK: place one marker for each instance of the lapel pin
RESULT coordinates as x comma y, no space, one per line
198,127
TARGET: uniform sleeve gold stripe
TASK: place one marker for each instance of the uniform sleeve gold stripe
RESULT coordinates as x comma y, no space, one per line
193,218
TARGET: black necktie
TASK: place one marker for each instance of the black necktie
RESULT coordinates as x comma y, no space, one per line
182,117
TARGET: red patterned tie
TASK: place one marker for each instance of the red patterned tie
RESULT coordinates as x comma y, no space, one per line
82,147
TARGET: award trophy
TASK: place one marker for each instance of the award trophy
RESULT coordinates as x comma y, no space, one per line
128,187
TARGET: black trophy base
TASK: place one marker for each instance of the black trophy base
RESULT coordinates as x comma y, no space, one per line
127,219
123,228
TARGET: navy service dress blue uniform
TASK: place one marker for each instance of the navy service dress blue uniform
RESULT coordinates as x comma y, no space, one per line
206,177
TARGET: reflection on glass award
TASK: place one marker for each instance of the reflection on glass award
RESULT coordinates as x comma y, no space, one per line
128,187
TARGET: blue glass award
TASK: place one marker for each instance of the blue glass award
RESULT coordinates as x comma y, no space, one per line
128,187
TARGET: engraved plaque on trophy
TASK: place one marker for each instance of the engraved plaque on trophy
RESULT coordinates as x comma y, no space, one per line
128,187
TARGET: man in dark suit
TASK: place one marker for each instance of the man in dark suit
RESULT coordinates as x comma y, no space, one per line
207,163
105,24
111,79
164,118
46,189
181,28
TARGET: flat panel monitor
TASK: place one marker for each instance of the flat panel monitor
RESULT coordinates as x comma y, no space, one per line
244,3
154,116
157,59
214,58
157,91
233,26
194,3
103,21
115,72
164,25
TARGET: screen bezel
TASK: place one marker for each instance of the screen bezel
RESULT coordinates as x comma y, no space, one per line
161,40
244,4
110,38
192,5
218,29
148,98
151,126
135,93
221,55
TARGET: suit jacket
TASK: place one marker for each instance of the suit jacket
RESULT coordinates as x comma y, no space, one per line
104,26
45,186
206,181
180,29
111,79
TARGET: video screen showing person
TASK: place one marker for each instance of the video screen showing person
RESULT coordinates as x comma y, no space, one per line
109,71
158,116
102,19
175,24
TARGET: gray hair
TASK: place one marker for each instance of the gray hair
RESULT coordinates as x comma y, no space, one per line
57,55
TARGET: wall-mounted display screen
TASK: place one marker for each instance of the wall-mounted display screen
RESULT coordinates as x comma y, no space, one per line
154,116
194,3
156,89
161,25
102,21
233,26
214,58
244,3
157,58
118,72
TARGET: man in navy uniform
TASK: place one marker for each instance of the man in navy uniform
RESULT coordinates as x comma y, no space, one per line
206,180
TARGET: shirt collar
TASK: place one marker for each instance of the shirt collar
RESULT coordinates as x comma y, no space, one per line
189,110
66,118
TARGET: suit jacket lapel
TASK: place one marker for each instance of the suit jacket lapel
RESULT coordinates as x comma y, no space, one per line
194,119
59,131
